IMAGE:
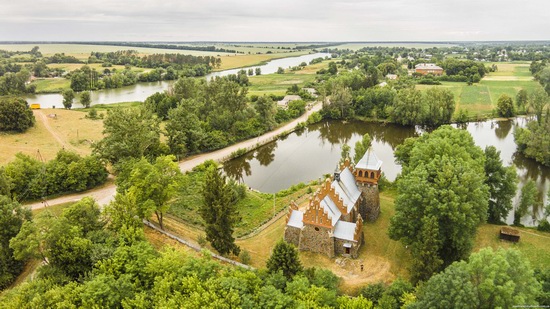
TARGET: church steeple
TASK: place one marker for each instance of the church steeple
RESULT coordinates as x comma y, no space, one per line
369,169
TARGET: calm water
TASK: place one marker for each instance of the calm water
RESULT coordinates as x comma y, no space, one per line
140,91
308,155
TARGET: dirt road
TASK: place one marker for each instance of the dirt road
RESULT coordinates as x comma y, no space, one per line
104,195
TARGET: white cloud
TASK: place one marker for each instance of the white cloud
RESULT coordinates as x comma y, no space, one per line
269,20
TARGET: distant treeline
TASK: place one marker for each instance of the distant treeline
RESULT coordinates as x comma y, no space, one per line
210,48
131,57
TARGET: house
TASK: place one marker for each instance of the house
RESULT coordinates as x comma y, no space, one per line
287,99
332,222
428,68
311,91
391,76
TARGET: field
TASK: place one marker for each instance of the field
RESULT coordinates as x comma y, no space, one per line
232,61
357,46
51,85
69,130
481,98
278,83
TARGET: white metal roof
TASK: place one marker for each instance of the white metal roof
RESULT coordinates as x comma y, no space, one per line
427,66
347,189
331,208
296,219
369,161
344,230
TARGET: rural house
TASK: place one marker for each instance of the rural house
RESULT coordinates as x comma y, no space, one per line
332,223
428,68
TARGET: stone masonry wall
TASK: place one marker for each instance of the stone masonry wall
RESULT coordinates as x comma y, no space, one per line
340,250
370,208
292,235
320,241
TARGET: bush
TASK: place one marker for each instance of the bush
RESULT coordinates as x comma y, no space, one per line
15,115
543,226
245,257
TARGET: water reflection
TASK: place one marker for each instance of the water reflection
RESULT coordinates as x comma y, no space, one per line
307,155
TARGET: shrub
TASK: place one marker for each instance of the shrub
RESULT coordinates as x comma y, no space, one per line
15,115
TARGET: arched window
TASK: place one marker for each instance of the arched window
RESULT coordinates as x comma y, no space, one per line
372,175
360,173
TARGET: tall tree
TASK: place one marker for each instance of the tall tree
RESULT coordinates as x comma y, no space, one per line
409,108
443,177
284,258
184,130
522,99
505,106
219,212
129,133
426,253
12,216
68,97
85,99
489,279
441,106
153,186
502,182
537,102
361,147
528,199
266,110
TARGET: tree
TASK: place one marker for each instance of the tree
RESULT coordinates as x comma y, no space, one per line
522,99
443,177
537,102
266,110
502,182
528,199
15,114
219,212
68,97
339,105
426,253
280,70
544,78
505,106
12,216
345,153
361,147
85,214
489,279
441,106
284,257
533,140
85,99
409,108
184,131
129,133
153,185
258,71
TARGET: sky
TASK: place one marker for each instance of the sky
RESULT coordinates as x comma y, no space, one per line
274,21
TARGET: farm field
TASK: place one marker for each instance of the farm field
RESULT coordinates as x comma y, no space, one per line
82,51
51,85
278,83
69,130
232,61
481,98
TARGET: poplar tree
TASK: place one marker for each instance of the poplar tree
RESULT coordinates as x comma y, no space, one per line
219,212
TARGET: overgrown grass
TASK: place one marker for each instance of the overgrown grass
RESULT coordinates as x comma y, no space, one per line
255,208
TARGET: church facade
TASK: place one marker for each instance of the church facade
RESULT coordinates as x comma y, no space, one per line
332,223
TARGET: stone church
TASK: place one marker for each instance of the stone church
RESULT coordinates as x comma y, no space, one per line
332,223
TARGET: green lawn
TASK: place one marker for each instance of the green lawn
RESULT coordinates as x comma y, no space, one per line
277,83
51,85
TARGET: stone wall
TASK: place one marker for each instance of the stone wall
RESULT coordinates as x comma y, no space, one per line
339,248
317,239
292,235
370,207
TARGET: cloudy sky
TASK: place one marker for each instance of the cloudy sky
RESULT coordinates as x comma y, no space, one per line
270,20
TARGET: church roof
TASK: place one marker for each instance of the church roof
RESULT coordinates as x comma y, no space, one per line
328,204
296,219
347,188
369,161
344,230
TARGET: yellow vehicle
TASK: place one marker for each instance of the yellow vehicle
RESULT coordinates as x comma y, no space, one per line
35,106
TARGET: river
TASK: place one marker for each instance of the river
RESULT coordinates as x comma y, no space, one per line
140,91
314,152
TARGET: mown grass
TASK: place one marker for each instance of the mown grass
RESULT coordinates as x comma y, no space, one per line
76,131
51,85
481,98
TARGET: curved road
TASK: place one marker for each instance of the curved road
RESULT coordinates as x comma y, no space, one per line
104,195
